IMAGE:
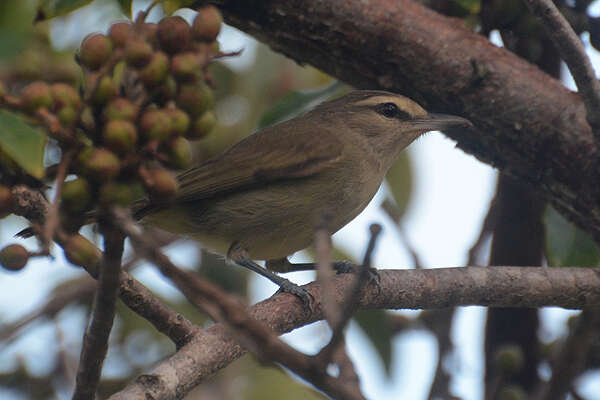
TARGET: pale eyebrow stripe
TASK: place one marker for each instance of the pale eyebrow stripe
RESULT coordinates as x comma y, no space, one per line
372,101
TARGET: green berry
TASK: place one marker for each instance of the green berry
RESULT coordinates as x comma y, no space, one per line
95,51
155,72
67,116
138,53
203,125
80,251
102,165
186,67
76,196
195,99
120,136
105,91
156,125
180,153
180,122
36,95
65,96
121,109
119,193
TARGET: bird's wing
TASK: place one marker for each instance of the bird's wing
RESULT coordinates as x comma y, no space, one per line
267,156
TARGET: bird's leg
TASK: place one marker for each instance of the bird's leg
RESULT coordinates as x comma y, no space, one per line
340,267
283,266
240,256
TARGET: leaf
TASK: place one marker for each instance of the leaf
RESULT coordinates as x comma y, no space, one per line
375,325
125,7
296,102
400,182
170,6
567,245
23,143
48,9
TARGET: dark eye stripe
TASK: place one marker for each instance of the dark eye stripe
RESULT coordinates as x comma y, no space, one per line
391,110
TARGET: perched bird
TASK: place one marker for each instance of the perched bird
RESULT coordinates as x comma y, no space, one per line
261,198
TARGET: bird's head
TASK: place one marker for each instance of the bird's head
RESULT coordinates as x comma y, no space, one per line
388,122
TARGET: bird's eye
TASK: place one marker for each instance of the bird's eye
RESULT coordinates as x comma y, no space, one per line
391,110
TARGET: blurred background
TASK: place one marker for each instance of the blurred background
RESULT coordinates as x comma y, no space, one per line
432,207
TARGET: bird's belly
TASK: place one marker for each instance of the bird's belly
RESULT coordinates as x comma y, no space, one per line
270,223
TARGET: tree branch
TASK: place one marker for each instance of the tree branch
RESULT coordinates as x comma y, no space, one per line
213,348
95,340
573,53
528,124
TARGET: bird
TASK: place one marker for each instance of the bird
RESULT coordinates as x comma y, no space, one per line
262,198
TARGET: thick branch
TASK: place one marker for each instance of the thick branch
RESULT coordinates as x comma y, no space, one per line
527,123
572,51
213,349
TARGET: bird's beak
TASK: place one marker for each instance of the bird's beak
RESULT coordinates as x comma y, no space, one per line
439,122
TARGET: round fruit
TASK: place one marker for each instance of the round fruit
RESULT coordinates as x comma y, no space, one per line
162,184
195,99
173,34
76,196
155,72
122,194
95,50
203,125
156,125
102,164
120,136
82,252
105,90
180,153
36,95
138,52
67,116
186,67
180,122
207,24
120,33
14,257
65,96
121,109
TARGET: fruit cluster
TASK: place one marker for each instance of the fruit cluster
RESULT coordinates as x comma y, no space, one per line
146,93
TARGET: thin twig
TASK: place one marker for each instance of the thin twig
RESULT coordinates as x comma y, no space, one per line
390,209
325,273
52,217
573,53
349,305
227,309
95,340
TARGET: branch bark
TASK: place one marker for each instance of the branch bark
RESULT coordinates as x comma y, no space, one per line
528,124
213,348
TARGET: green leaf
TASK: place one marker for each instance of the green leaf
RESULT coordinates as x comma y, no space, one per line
375,325
125,7
400,182
48,9
296,102
567,245
23,143
170,6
